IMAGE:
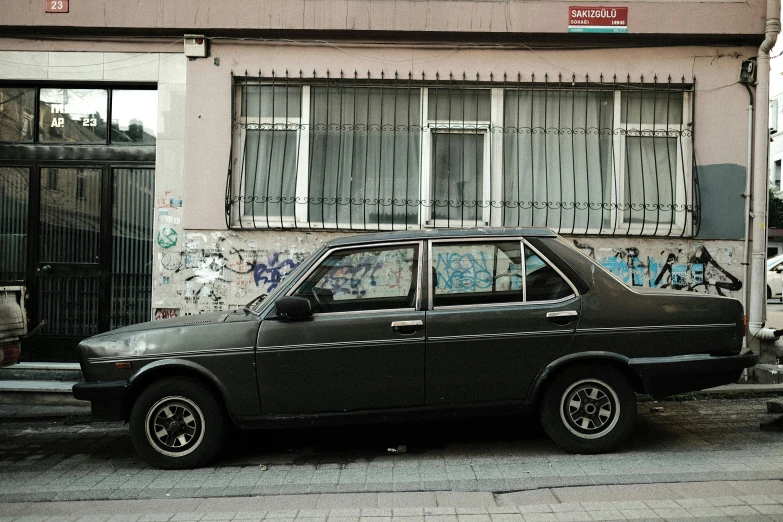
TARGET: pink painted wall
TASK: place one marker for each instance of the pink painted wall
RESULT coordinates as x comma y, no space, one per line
720,102
542,16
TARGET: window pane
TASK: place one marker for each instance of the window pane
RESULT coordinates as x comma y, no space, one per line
134,117
650,180
364,169
377,278
651,107
270,175
458,177
14,191
266,102
459,105
73,115
558,159
17,110
70,225
477,273
132,215
541,281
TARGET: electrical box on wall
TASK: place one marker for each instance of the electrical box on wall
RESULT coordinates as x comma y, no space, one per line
195,46
747,71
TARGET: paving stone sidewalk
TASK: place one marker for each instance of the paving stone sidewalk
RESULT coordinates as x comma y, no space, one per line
692,441
760,500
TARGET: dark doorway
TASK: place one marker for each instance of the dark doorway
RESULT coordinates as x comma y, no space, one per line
87,233
76,208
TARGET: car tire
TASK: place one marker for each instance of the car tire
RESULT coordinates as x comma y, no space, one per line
177,423
588,409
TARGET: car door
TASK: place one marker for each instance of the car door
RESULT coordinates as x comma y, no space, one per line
499,311
364,346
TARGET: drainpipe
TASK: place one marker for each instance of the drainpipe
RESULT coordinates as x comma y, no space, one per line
746,195
758,287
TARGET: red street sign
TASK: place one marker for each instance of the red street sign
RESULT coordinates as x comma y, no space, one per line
56,6
597,19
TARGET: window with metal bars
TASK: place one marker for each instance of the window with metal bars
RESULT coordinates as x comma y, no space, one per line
362,153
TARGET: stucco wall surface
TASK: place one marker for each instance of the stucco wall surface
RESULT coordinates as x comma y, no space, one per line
497,16
719,114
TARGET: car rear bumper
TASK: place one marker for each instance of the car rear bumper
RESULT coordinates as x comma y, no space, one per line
664,376
107,398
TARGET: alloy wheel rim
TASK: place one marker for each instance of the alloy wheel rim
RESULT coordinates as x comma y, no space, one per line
589,408
174,426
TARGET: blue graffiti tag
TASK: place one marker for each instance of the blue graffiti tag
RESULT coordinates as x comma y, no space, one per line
463,272
273,272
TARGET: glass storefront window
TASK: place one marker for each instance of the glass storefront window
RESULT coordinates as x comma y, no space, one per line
73,115
17,109
134,116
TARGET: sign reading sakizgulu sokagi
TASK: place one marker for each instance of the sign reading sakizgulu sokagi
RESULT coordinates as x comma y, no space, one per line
585,19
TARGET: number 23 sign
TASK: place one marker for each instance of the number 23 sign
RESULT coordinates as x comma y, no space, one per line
56,6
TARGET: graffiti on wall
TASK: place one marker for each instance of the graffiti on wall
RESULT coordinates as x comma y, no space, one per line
165,313
694,269
215,272
223,270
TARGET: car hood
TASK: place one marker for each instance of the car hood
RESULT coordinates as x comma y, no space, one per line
156,338
209,318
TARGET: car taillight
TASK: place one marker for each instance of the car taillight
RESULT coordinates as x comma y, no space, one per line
9,354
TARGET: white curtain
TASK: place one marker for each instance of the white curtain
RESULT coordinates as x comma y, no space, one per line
558,158
270,175
365,157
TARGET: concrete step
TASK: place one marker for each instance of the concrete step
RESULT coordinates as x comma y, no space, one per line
32,371
769,373
40,384
39,393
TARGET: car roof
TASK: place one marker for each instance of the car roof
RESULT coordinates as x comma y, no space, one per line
774,260
435,233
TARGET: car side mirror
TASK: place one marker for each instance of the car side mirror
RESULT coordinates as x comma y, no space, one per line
293,308
779,269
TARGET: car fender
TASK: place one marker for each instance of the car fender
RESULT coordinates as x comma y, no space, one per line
547,371
149,372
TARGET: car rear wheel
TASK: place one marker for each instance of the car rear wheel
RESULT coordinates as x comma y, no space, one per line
177,423
589,409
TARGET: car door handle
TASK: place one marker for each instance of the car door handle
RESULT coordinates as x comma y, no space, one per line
407,327
562,317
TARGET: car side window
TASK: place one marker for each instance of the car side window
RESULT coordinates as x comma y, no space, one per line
542,282
372,278
477,272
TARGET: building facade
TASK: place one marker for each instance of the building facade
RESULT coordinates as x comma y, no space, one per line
139,183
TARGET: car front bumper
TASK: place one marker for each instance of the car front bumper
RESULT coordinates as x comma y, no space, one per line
664,376
107,399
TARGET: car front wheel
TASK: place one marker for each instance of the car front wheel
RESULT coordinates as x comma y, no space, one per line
589,409
177,423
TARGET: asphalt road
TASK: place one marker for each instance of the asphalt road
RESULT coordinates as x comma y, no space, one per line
675,442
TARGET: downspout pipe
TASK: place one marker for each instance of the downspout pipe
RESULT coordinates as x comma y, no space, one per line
758,273
746,195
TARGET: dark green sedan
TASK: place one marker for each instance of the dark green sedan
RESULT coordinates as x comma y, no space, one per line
417,324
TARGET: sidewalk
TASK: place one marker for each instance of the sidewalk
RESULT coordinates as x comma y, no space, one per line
744,500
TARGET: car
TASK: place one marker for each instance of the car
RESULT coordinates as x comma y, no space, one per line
775,277
417,325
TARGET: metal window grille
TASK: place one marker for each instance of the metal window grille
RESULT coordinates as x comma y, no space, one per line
359,152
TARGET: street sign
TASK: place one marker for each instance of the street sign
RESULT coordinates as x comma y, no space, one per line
586,19
56,6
